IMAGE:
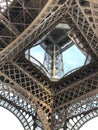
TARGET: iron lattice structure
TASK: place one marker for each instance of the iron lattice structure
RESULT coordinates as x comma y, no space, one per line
25,90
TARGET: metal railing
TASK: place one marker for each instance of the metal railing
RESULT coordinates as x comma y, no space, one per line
39,65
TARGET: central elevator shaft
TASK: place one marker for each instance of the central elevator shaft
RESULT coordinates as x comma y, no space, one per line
53,61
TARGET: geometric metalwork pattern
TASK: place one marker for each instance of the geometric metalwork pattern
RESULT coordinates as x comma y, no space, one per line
19,107
25,90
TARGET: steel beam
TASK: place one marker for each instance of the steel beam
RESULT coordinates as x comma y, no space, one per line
51,13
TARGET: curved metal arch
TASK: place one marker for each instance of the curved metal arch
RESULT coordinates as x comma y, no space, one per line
18,114
51,13
27,32
20,107
82,106
27,97
75,113
7,91
84,119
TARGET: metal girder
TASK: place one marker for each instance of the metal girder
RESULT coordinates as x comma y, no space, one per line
9,25
87,8
75,77
14,97
84,26
55,101
73,91
31,87
21,2
19,114
77,122
18,75
5,43
4,78
55,42
15,74
34,72
66,117
41,108
51,13
83,106
19,105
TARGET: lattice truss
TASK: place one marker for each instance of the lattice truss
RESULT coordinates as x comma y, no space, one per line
30,95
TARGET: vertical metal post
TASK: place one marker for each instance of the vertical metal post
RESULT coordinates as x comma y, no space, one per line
54,62
62,64
29,54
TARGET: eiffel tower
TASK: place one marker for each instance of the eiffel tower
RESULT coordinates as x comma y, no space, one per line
37,101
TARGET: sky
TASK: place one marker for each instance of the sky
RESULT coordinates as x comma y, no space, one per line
73,58
9,122
38,53
91,125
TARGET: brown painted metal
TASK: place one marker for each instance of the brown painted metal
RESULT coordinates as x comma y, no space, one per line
66,104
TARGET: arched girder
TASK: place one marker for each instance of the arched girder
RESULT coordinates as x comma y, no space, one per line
87,28
50,14
15,17
21,107
28,98
77,122
53,105
16,112
68,116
